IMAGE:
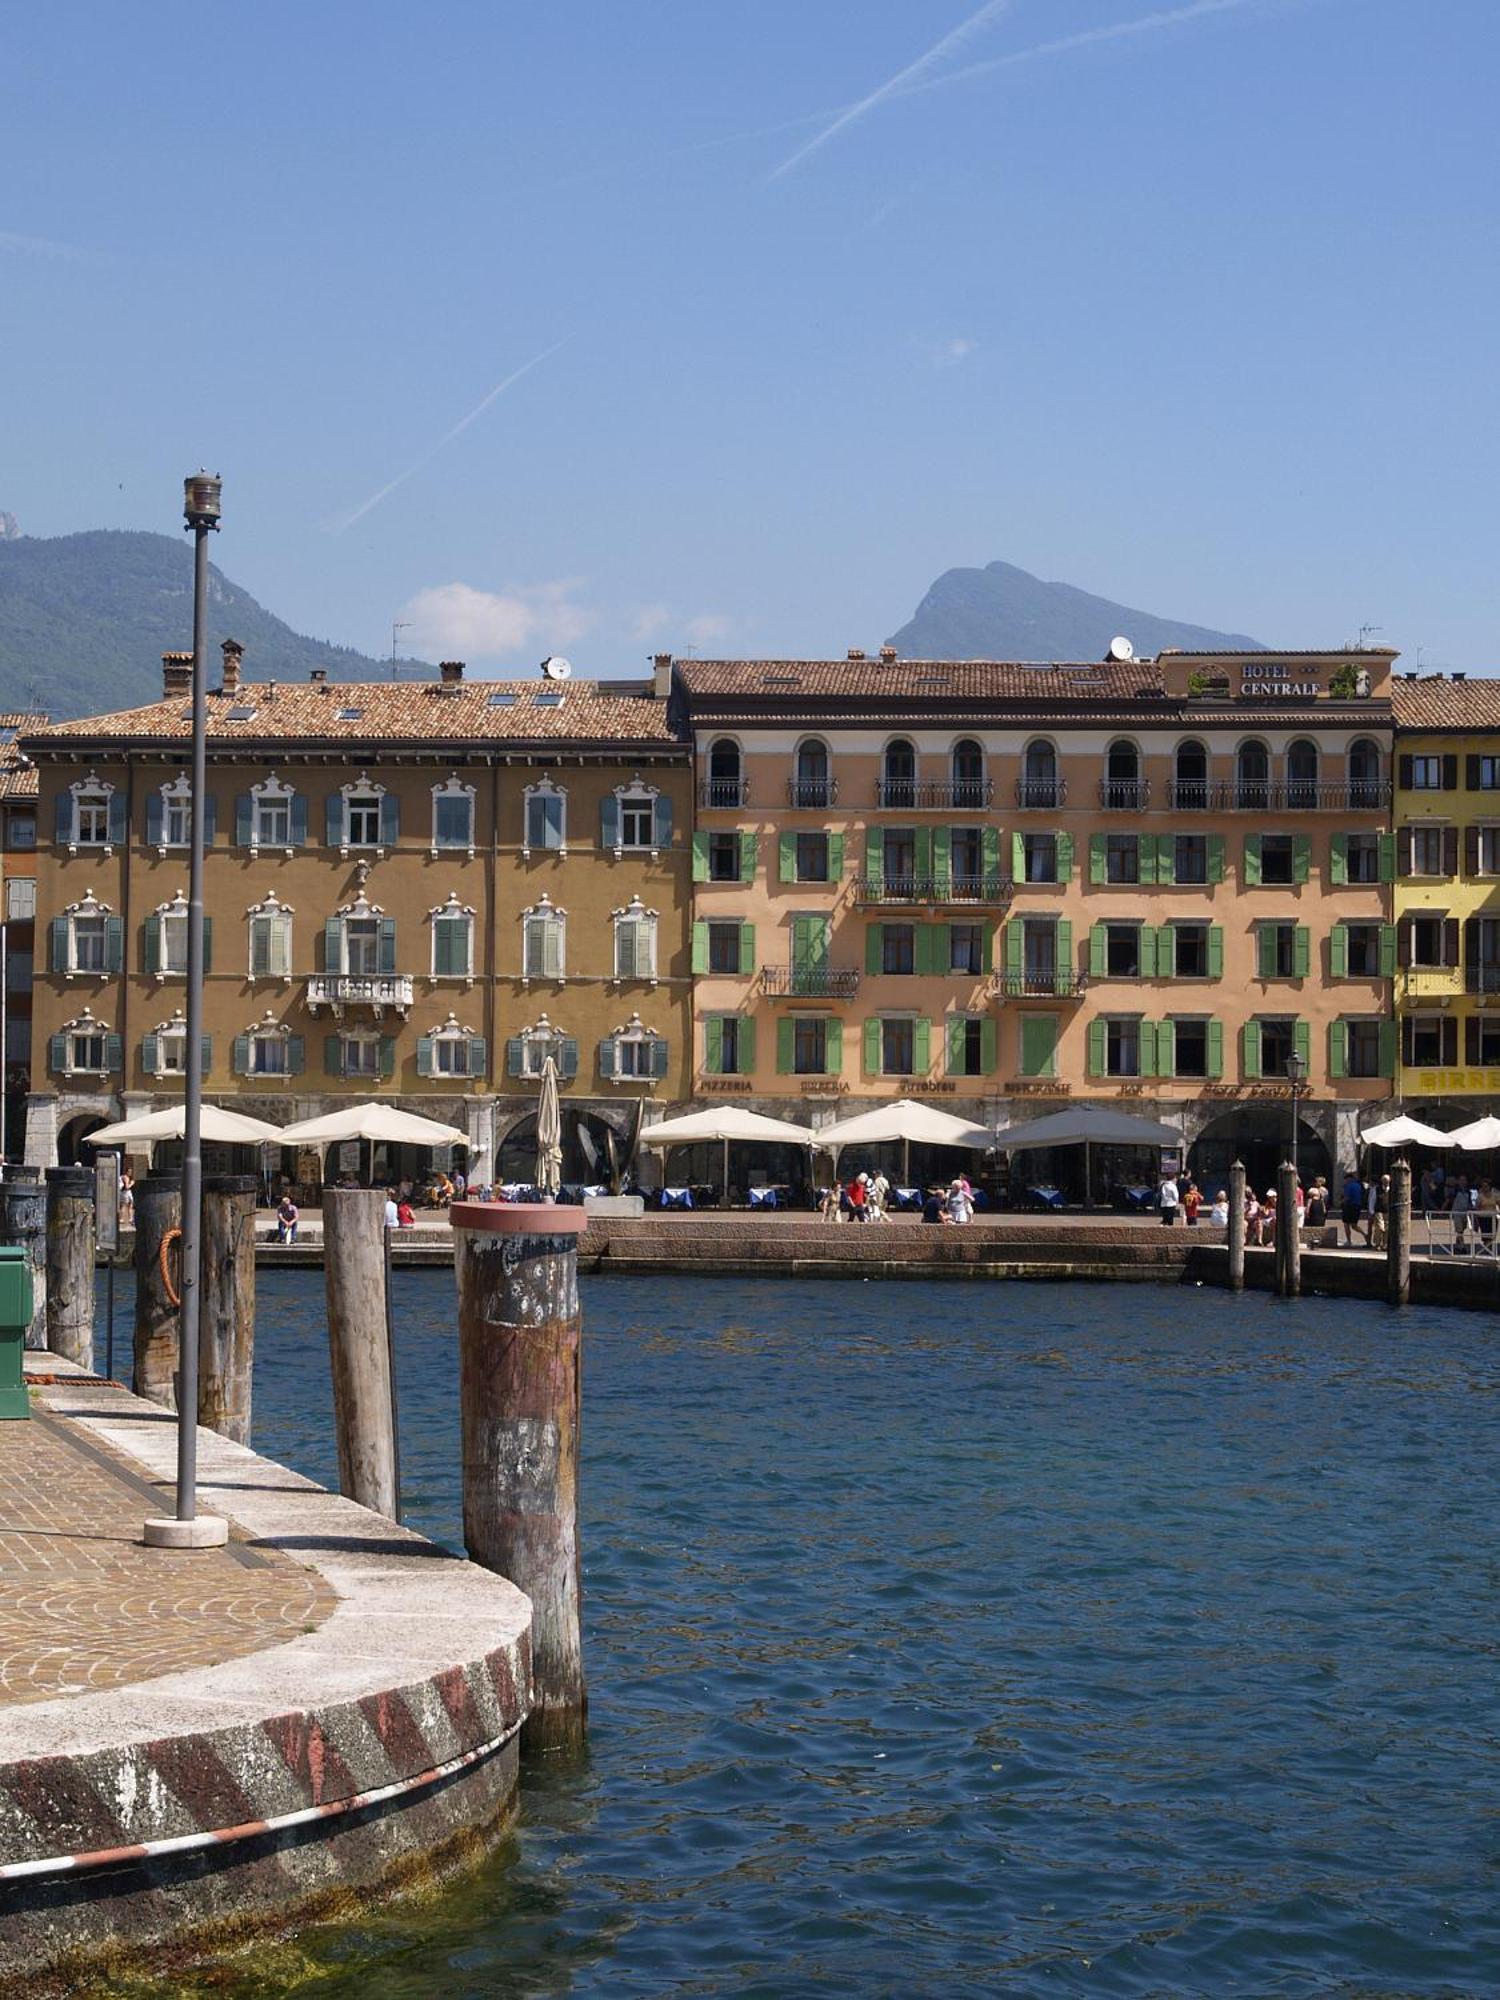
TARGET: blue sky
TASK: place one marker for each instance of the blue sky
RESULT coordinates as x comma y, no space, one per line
1196,310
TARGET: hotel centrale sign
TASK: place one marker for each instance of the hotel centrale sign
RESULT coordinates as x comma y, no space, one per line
1295,680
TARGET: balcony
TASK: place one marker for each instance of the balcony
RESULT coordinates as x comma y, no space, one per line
808,982
1194,795
1124,794
1482,979
1041,794
375,990
1433,981
1297,795
723,794
906,795
927,889
1040,984
812,794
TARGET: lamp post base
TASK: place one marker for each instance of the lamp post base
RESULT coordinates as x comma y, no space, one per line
204,1531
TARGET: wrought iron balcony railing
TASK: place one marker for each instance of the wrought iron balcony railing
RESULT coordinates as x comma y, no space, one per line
812,794
1041,794
723,794
1482,979
808,982
962,795
1124,794
910,889
1059,984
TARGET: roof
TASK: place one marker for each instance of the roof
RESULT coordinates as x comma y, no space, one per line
349,714
18,779
908,681
1438,703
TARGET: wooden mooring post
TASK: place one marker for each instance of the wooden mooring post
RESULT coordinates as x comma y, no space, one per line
23,1220
1288,1235
356,1279
70,1264
1398,1236
1237,1226
226,1316
519,1357
158,1214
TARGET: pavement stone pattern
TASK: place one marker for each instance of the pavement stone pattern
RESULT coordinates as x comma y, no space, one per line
84,1605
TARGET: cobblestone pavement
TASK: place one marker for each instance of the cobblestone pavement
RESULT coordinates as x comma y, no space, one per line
84,1605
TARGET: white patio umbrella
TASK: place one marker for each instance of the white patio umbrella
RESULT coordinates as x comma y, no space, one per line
726,1123
905,1120
549,1132
1482,1136
1404,1131
1086,1125
379,1122
229,1128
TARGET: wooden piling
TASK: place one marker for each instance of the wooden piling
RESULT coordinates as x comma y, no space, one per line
355,1278
1288,1236
23,1220
226,1315
1398,1236
1237,1227
70,1264
158,1212
519,1357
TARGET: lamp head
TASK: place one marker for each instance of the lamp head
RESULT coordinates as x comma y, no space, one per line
200,499
1296,1070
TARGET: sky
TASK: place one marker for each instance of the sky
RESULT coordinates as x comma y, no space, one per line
725,326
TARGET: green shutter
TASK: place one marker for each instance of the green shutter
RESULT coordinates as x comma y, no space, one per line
835,857
923,845
713,1045
786,864
1097,864
872,1047
150,1054
1301,856
208,945
924,945
1338,1044
875,858
151,952
1017,855
1301,952
1387,955
387,1055
1216,951
747,948
1250,874
747,857
833,1048
747,1046
1387,1048
1265,951
700,948
1166,858
786,1045
1216,857
1387,857
1145,857
424,1055
1338,955
1166,952
1338,860
953,1042
240,1055
1146,1044
1250,1040
114,944
989,844
1146,952
986,947
1015,949
1062,973
1098,1047
921,1040
700,857
333,1056
987,1045
1098,951
1215,1050
942,861
1065,857
1166,1048
1302,1043
874,947
333,945
1038,1045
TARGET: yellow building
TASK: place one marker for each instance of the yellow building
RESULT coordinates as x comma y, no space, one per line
1448,892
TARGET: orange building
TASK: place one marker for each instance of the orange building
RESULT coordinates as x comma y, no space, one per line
18,794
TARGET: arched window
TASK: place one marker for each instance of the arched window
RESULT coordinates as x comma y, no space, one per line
1366,788
1039,785
1123,790
813,786
1252,777
971,792
725,785
1190,777
1302,774
898,776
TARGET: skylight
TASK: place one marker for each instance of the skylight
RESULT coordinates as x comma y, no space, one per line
549,701
502,700
239,713
350,715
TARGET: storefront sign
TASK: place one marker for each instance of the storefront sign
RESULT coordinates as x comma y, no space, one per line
736,1085
933,1089
1435,1082
1038,1086
1271,680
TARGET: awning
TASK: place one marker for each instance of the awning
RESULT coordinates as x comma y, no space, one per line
1086,1124
906,1120
1404,1131
1482,1136
382,1123
726,1122
229,1128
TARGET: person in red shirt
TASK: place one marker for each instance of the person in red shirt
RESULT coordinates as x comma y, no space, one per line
859,1200
405,1219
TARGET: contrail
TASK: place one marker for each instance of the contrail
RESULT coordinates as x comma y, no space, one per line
901,84
44,246
345,521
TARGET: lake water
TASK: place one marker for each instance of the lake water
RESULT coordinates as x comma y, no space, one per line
976,1639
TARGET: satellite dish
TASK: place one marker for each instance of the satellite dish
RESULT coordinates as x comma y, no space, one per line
556,668
1121,649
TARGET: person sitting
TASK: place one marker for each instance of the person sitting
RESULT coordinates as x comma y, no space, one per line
935,1206
1219,1213
287,1217
392,1218
405,1218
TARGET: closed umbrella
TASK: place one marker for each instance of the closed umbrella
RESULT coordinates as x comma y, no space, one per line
549,1132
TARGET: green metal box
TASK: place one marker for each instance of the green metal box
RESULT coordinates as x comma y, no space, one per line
15,1318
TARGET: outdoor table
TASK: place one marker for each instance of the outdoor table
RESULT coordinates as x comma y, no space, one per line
1046,1197
907,1197
677,1197
765,1197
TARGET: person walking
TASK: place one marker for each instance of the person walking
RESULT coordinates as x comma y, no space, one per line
1192,1201
1168,1199
1379,1218
859,1198
880,1195
1352,1206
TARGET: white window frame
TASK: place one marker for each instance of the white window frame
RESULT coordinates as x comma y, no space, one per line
538,1042
279,916
177,911
635,919
91,791
544,788
453,788
266,1030
91,909
449,912
85,1027
174,1030
176,796
544,912
364,1039
271,792
451,1035
364,792
632,1034
636,794
361,911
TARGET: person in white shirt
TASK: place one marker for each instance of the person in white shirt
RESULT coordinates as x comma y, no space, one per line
1220,1211
1168,1199
392,1219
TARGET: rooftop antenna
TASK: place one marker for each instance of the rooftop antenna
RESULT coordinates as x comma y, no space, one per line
397,625
1364,632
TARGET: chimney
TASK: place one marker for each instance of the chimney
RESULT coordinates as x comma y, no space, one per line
452,672
176,675
319,676
661,675
889,655
1460,678
856,652
233,653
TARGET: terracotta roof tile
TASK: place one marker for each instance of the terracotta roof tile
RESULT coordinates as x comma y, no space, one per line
913,681
1436,703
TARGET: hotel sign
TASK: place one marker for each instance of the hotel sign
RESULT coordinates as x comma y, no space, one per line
1271,680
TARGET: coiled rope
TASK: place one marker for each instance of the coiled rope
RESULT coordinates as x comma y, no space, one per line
172,1236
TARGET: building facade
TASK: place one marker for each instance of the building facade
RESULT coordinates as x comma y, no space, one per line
413,889
1153,884
18,795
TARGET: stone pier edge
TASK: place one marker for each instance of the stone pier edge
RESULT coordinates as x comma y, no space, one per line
424,1662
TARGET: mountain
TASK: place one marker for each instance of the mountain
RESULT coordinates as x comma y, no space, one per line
1004,613
84,620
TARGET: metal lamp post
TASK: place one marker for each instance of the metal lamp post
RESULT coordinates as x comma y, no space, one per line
1296,1076
188,1529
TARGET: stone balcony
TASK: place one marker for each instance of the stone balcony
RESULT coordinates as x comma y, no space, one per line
375,991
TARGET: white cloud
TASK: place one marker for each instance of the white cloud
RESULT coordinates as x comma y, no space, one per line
649,622
455,621
708,629
949,353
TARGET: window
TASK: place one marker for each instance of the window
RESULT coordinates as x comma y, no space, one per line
1277,951
272,823
898,786
546,819
164,1051
85,1047
725,786
1483,774
1039,852
453,817
20,898
812,857
967,1053
269,1053
1481,953
812,785
526,1054
1277,858
169,814
1123,790
1189,1047
633,1053
1038,787
1426,774
1302,775
1362,857
724,947
1039,954
728,1045
1431,940
636,819
1362,954
171,924
92,815
1429,850
1122,1047
900,862
1122,859
272,814
966,948
1122,951
1278,1044
21,828
897,1047
723,857
970,792
966,860
87,938
1190,857
1366,790
809,1045
1189,947
898,948
1483,856
270,940
543,936
1362,1051
1190,778
360,1054
361,956
1482,1032
452,939
1429,1041
361,819
1252,777
635,941
451,1051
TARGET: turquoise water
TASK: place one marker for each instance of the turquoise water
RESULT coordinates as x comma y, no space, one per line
977,1639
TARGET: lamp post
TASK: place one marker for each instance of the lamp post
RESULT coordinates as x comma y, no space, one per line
1296,1076
200,508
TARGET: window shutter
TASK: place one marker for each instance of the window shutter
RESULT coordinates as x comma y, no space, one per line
1265,951
787,858
1403,772
1216,857
387,958
924,941
1148,958
1098,1047
118,827
208,944
1098,951
1471,774
1450,850
1063,969
747,949
333,945
1065,857
747,857
874,947
1471,1038
989,852
515,1056
424,1055
114,944
1215,1050
296,1055
1301,952
921,1039
746,1065
205,1054
1146,1046
1404,942
479,1057
210,818
387,1056
833,1048
875,858
1145,851
239,1055
661,829
333,1056
1338,953
390,819
114,1053
244,819
1251,1044
986,947
150,1054
60,931
155,816
987,1045
607,1057
567,1056
713,1046
1450,771
1301,856
1450,941
1017,854
1097,864
442,948
299,820
700,948
57,1053
660,1056
872,1047
1216,951
62,818
942,861
1166,1048
1302,1043
923,847
1471,850
1251,873
786,1045
700,857
1338,1050
835,856
1015,949
1166,859
1387,857
609,833
1387,950
333,820
953,1044
151,947
1388,1048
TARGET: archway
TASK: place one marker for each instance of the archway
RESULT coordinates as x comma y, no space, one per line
71,1151
586,1141
1259,1135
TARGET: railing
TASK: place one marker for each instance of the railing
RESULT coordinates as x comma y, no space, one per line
812,794
808,982
339,990
1124,794
1041,794
721,794
1298,795
972,889
1482,979
906,795
1190,794
1058,984
928,889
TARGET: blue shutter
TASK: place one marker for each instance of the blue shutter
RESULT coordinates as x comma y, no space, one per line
151,950
567,1058
155,814
296,1055
390,819
60,933
659,1056
208,944
607,1057
114,944
387,960
662,814
210,818
244,818
333,820
57,1053
62,818
609,821
424,1055
387,1057
150,1054
114,1053
333,1055
479,1056
299,821
515,1055
333,945
205,1054
240,1055
118,826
